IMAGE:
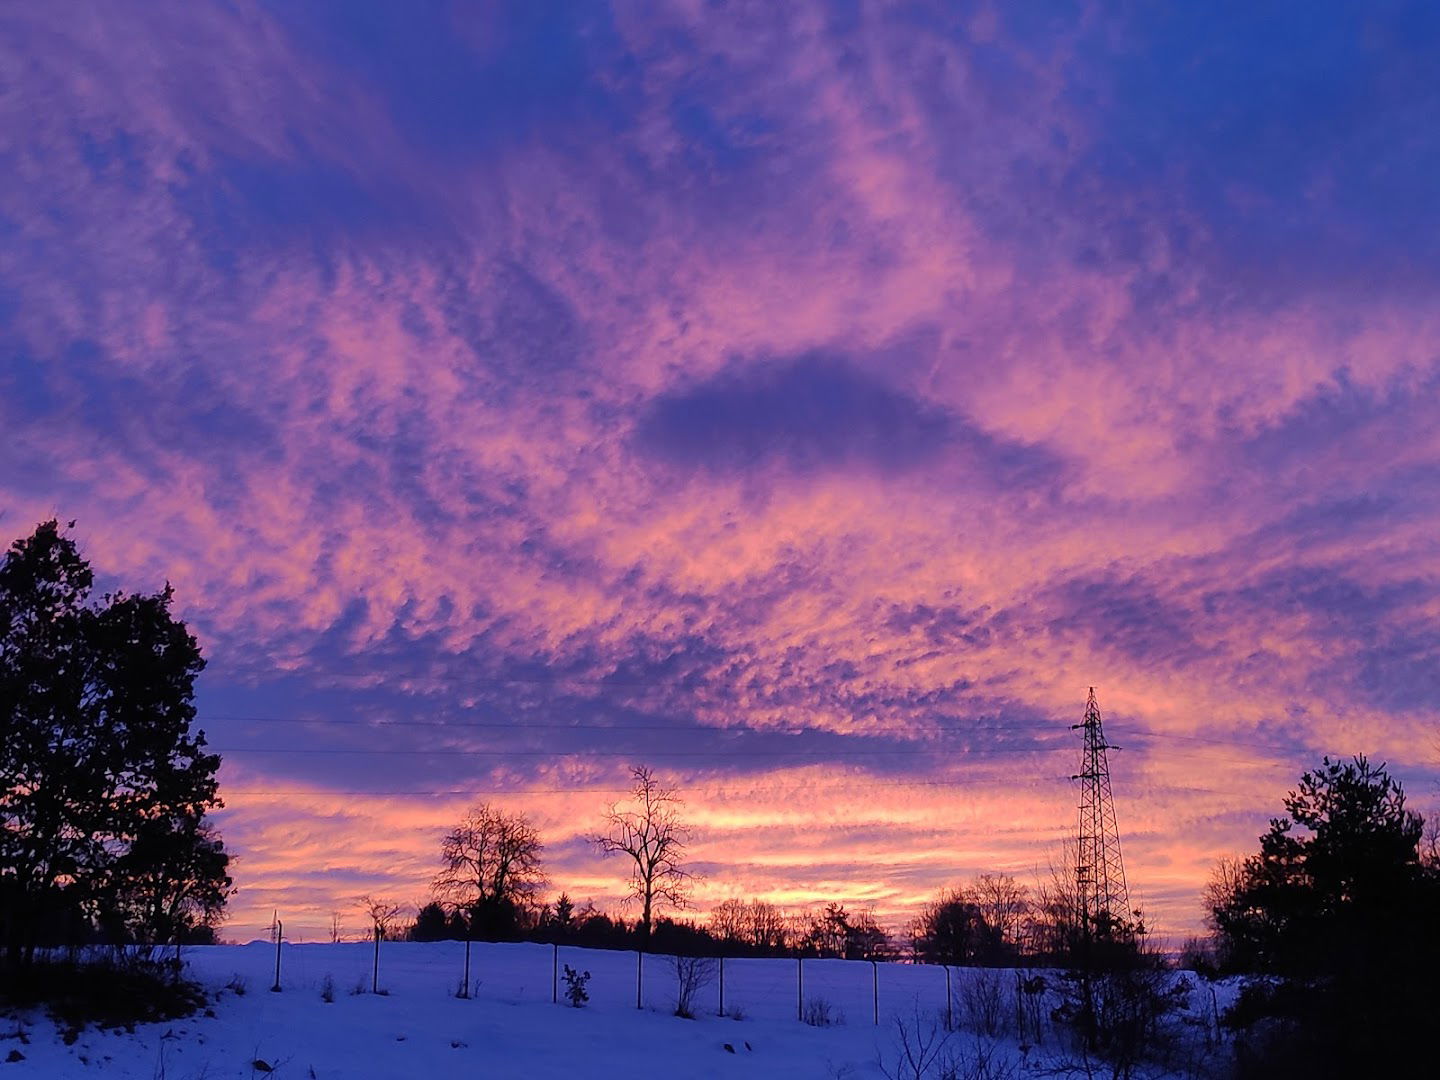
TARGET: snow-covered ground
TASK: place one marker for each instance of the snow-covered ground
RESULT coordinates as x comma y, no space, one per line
418,1027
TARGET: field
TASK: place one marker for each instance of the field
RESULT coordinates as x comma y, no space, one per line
418,1026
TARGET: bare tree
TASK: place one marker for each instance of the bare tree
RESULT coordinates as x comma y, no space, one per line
757,923
1227,877
1430,841
491,865
654,837
730,920
768,924
382,913
692,974
1052,926
1003,903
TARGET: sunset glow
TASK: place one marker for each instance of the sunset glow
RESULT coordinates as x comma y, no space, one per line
810,401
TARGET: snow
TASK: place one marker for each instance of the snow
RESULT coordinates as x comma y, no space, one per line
418,1027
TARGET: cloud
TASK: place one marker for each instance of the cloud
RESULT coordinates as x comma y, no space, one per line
810,415
686,380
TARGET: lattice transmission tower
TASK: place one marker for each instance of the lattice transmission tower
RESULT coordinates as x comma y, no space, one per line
1099,869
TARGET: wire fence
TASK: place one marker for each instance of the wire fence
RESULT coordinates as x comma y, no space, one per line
818,991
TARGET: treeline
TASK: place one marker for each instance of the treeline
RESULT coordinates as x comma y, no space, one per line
994,921
734,928
492,880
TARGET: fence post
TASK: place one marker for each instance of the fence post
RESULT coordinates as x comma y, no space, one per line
554,973
722,985
639,975
949,1002
799,988
875,988
279,935
375,971
465,983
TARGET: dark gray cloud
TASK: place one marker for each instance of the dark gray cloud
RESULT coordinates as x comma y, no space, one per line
816,414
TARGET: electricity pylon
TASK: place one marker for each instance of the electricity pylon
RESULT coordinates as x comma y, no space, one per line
1099,871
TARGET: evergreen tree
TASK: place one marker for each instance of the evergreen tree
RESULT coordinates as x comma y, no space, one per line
102,809
1339,902
431,923
1330,887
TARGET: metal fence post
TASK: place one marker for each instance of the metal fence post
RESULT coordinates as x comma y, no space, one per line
639,976
799,988
279,935
875,988
949,1002
375,971
554,973
722,985
465,983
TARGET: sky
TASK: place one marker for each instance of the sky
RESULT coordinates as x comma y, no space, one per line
810,401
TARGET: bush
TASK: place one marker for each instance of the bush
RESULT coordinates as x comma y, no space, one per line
1126,1015
327,990
115,989
982,1001
1198,955
692,974
1030,994
575,991
980,1059
918,1044
818,1012
922,1048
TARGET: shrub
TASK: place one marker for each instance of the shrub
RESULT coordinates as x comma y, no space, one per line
980,1059
1030,994
818,1012
917,1045
692,974
1126,1015
982,1001
115,989
327,990
575,991
1198,955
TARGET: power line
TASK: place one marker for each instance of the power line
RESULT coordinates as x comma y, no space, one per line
791,731
821,753
717,729
1035,781
674,681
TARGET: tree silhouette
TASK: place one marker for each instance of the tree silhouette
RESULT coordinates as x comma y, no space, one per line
491,869
653,837
382,913
952,929
102,809
1328,887
562,919
1339,902
431,923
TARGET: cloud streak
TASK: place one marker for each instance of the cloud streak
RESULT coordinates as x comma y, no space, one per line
704,377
